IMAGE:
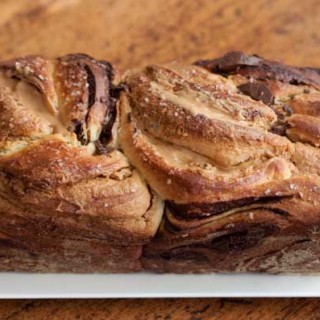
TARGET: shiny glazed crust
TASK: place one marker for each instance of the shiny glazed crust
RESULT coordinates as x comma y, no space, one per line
207,167
231,146
70,200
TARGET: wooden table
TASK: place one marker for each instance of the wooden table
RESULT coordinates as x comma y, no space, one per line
131,33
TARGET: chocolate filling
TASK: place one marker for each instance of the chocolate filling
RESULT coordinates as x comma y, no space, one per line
106,133
92,86
280,129
114,94
185,254
281,126
78,130
237,62
258,70
237,240
241,240
189,211
108,95
258,91
101,148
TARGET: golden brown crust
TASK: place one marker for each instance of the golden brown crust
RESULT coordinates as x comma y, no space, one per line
234,154
227,149
62,180
230,128
36,70
304,128
16,120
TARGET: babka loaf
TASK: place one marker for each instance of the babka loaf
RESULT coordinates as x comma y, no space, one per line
181,168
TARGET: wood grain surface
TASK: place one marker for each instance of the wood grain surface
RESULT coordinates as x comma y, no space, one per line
163,309
130,33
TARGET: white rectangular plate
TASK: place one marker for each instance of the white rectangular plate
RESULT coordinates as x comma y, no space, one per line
24,285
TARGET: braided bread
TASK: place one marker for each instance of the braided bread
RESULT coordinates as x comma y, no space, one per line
213,166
